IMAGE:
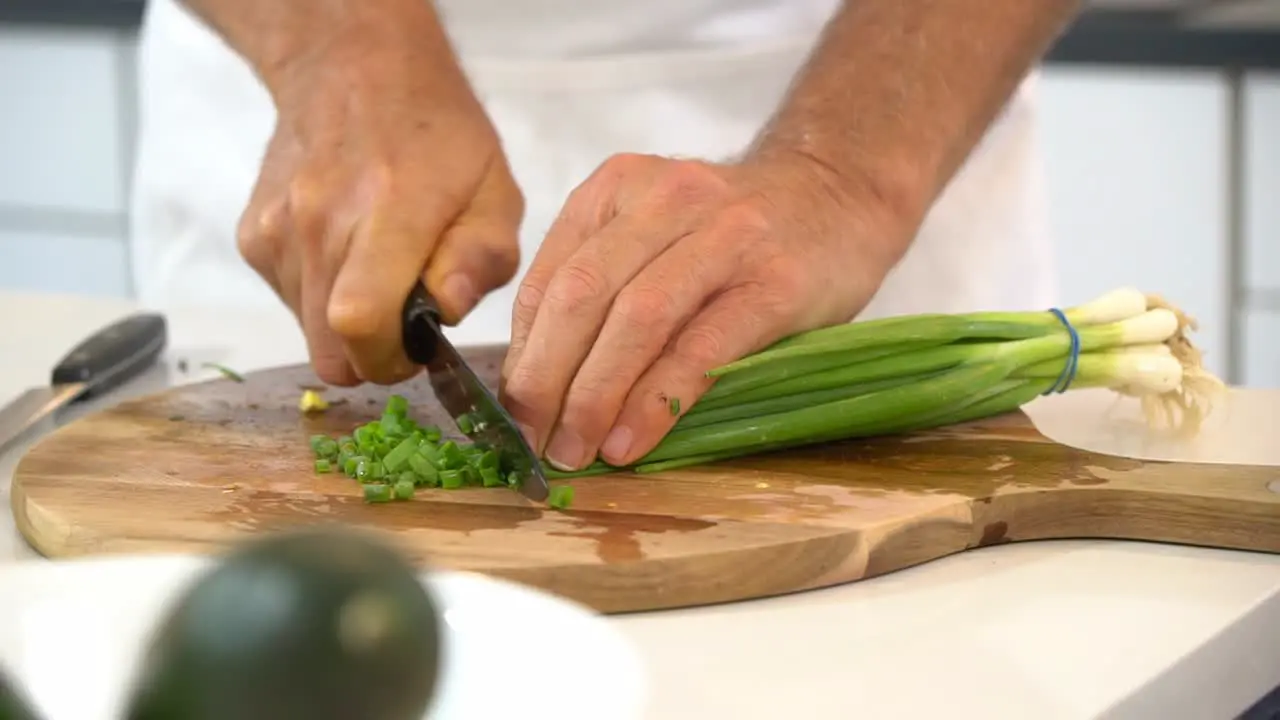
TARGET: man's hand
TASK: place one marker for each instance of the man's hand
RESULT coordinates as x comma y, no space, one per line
659,270
383,169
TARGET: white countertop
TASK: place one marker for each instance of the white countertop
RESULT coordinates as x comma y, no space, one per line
1039,630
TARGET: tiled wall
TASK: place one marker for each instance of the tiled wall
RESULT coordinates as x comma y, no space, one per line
1137,165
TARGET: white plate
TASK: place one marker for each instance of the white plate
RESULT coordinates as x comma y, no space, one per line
72,632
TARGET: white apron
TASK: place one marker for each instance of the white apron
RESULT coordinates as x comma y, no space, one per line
567,83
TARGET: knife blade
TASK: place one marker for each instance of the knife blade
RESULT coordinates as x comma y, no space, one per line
110,356
461,392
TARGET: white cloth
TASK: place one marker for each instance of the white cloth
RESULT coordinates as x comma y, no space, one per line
567,83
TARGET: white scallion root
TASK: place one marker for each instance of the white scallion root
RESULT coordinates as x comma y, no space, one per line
1184,408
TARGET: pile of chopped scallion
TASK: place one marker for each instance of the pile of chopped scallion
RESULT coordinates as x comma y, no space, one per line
394,455
869,378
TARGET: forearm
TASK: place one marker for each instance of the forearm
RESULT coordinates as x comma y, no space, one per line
277,35
898,92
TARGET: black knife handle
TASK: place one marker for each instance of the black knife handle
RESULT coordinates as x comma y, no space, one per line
113,354
419,324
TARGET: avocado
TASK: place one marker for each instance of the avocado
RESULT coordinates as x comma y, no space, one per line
14,704
315,624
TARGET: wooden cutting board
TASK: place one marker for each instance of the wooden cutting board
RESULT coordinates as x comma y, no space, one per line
200,465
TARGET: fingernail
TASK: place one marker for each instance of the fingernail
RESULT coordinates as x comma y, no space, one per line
565,451
460,291
617,444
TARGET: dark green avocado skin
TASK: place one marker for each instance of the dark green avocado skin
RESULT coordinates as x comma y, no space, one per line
13,701
316,624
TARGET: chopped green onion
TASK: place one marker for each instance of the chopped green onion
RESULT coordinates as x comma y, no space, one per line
451,456
470,476
400,455
424,470
352,464
392,426
404,489
397,405
323,466
560,497
465,425
489,477
450,479
377,493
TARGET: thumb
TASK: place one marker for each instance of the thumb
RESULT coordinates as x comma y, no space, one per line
480,252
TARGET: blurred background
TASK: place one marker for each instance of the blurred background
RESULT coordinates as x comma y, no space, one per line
1161,133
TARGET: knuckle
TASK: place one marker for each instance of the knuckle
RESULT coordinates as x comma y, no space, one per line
645,306
527,388
527,301
788,281
701,347
306,210
354,318
743,219
581,207
687,181
303,197
585,408
259,235
577,287
624,163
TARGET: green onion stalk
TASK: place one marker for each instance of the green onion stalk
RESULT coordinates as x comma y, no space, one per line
918,372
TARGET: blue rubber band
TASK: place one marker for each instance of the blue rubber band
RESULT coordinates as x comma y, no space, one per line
1073,358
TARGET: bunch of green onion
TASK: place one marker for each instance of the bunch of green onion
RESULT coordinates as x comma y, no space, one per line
917,372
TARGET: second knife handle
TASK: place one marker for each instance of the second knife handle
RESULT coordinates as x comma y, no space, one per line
114,354
419,338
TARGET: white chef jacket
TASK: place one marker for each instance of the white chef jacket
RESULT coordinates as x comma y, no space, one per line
567,83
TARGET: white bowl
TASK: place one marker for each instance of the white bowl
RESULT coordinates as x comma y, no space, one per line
72,632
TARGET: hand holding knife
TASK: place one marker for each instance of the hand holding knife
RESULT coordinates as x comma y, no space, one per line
461,392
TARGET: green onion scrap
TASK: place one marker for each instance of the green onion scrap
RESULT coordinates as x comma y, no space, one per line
561,496
225,371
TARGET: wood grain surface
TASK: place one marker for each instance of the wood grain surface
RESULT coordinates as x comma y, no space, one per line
200,465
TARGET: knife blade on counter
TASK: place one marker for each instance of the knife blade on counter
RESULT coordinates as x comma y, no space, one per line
114,354
461,392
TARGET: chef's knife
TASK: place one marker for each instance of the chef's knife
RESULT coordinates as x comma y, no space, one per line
461,392
104,360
